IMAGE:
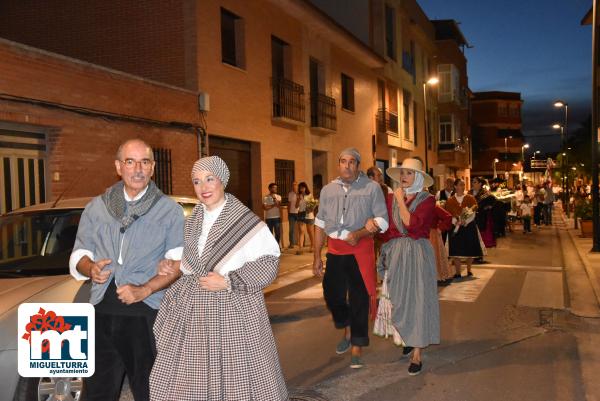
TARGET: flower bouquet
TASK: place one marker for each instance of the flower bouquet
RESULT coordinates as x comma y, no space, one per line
467,215
311,204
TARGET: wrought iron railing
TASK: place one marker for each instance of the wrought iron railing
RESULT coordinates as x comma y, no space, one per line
322,111
288,99
387,122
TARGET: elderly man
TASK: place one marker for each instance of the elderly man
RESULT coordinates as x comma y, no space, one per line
123,235
352,208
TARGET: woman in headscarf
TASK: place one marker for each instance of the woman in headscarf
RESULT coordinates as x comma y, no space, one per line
484,217
407,262
213,335
463,239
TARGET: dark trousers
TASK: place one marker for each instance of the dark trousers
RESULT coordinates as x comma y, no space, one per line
275,227
346,297
537,214
124,345
292,217
526,224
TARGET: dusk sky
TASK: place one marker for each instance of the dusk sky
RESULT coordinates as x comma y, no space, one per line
536,47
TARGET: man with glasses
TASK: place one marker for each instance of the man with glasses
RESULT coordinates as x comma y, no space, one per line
123,235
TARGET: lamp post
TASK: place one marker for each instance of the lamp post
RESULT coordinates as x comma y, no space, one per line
494,167
526,146
594,132
506,138
430,81
565,105
564,181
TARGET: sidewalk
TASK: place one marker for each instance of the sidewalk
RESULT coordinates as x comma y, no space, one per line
583,270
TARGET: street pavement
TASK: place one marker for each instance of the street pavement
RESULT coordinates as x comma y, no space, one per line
525,327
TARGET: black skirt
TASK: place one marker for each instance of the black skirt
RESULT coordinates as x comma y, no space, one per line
465,243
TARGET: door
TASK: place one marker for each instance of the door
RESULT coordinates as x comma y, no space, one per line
237,156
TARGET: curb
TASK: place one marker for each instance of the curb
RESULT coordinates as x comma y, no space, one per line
588,268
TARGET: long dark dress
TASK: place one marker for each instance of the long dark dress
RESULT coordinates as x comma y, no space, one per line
485,218
465,242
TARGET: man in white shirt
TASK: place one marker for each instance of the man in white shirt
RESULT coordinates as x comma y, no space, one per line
271,205
446,193
114,250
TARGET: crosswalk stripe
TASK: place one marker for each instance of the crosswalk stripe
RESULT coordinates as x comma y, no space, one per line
524,267
469,289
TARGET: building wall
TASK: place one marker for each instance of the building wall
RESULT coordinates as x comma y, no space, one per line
455,163
86,112
142,38
488,136
240,98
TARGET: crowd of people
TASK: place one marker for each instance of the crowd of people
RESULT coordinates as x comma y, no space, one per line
182,313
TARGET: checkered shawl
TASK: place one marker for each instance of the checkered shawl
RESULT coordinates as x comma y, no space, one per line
128,212
216,346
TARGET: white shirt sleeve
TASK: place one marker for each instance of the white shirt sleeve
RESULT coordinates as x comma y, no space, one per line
175,253
75,257
261,244
382,223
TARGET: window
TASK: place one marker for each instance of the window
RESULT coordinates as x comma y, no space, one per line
280,58
415,130
514,110
163,170
232,39
446,135
347,92
284,177
390,32
449,86
22,169
406,102
502,109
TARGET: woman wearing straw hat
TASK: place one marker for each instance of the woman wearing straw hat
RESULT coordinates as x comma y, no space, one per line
409,261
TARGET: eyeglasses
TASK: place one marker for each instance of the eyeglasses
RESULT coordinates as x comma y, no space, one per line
144,163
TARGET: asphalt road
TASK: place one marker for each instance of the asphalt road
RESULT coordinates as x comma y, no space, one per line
506,335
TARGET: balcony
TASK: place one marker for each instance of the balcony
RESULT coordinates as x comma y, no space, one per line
454,155
387,122
288,100
322,112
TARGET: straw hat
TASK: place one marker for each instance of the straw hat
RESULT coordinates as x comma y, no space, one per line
410,164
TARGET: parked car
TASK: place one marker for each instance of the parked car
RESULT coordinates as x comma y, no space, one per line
35,245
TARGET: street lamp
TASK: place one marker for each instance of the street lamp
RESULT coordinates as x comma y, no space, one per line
506,153
525,146
564,182
430,81
494,166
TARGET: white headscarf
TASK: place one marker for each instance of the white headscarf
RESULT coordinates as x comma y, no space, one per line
417,185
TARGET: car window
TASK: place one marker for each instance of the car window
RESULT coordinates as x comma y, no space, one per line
187,208
37,244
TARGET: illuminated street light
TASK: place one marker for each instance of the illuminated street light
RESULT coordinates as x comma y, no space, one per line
430,81
494,166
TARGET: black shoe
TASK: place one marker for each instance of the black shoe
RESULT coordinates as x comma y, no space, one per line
407,350
442,283
470,274
415,368
457,276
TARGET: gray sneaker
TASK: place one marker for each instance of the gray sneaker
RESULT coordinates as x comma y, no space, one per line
342,346
356,362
